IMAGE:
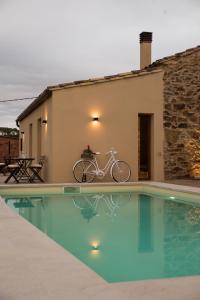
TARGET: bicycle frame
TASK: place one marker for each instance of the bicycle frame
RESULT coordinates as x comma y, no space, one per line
104,171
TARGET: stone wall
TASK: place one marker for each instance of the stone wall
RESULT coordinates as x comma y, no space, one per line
6,150
182,113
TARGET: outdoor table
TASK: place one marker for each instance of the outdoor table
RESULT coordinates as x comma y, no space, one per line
21,173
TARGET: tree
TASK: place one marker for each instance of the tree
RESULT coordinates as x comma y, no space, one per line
6,131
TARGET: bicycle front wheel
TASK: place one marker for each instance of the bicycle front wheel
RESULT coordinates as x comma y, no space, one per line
84,171
120,171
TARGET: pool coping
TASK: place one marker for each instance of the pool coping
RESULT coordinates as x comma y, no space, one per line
32,266
162,185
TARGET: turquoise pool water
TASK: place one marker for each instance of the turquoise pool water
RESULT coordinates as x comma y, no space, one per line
121,236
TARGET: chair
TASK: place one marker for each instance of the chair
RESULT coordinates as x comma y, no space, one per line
13,170
36,170
8,160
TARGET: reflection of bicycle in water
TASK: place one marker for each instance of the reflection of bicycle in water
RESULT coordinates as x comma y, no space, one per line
97,204
86,170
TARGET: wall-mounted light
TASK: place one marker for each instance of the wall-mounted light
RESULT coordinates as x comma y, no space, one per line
95,119
22,132
44,121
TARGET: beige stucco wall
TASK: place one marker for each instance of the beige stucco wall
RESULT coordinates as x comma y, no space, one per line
117,103
44,112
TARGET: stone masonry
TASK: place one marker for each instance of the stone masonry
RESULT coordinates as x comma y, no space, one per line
181,113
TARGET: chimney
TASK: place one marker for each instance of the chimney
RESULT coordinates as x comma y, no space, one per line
145,49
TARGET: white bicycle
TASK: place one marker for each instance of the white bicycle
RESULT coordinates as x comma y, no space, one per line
85,170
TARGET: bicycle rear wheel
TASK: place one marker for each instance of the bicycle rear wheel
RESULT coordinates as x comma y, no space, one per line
120,171
84,171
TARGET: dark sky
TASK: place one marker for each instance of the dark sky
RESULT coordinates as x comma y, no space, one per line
44,42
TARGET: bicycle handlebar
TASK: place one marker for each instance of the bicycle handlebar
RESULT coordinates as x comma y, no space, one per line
111,151
96,153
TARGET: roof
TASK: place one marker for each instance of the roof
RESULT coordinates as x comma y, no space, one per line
165,59
39,100
102,79
48,91
150,69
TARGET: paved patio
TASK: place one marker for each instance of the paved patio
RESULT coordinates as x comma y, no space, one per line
11,181
186,182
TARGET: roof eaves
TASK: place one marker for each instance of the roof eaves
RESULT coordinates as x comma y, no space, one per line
39,100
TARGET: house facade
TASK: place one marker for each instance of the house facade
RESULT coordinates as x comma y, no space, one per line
149,116
62,125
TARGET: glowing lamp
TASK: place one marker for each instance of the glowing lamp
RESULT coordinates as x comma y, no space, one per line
95,119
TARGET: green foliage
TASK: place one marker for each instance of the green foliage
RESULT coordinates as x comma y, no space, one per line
87,153
6,131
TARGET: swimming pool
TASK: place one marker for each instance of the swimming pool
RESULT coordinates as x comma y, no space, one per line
122,236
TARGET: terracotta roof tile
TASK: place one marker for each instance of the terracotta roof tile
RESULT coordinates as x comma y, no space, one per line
174,56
